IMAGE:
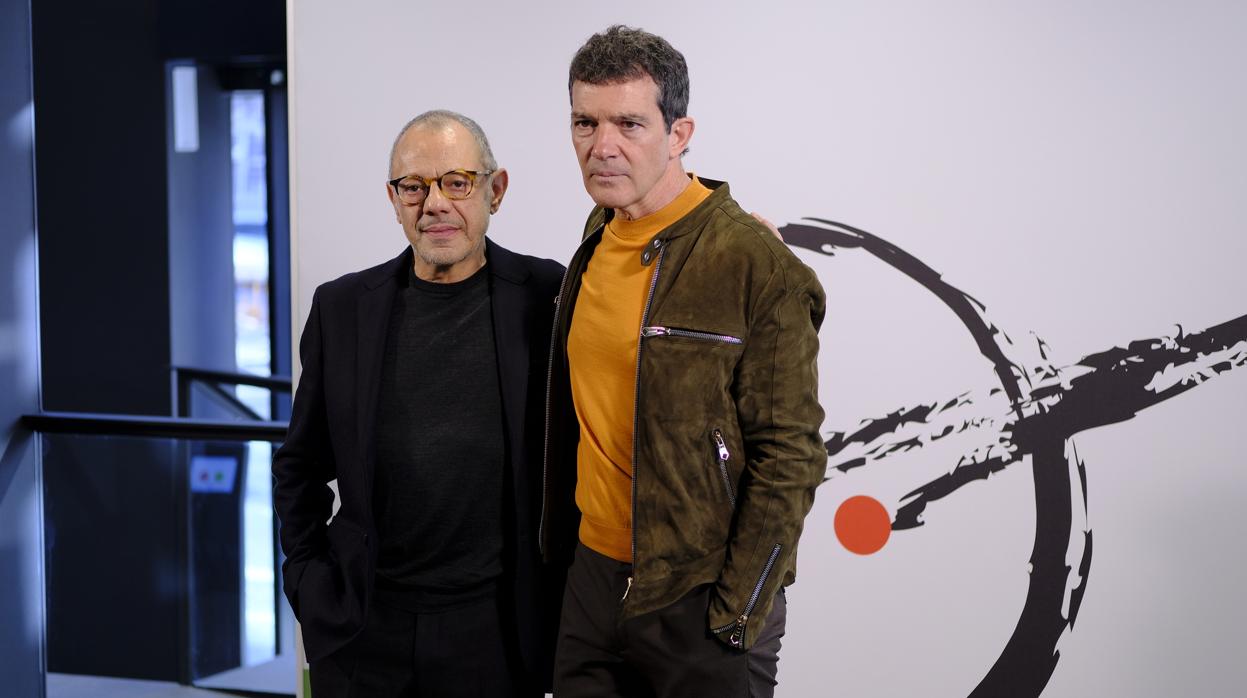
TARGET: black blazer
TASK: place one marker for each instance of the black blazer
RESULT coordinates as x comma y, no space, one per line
329,569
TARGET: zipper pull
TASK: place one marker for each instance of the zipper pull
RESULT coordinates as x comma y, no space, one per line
654,331
737,637
718,441
626,590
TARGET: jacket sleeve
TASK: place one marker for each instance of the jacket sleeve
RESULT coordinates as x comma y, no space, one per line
304,464
776,394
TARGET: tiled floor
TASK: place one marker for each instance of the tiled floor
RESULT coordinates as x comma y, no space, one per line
72,686
276,677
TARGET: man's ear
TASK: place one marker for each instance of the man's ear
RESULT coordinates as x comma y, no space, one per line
497,188
681,133
389,192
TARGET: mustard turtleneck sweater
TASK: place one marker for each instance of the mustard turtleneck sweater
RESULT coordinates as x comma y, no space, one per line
602,354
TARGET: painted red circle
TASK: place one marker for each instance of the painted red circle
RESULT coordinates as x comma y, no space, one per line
863,525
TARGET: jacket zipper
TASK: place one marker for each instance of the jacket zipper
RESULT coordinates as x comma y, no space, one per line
657,331
737,638
636,394
721,445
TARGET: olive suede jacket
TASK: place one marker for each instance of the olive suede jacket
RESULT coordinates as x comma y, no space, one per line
727,451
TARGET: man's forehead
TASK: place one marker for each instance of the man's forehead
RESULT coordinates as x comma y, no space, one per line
605,95
636,75
434,135
430,145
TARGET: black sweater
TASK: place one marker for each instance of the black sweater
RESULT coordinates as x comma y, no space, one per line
440,465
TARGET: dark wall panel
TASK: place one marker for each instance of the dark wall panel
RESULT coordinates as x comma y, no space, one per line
103,244
116,571
223,31
99,79
201,237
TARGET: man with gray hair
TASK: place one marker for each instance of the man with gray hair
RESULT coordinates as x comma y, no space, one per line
421,388
683,426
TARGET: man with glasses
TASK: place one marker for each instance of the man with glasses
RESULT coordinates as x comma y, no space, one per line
684,416
421,394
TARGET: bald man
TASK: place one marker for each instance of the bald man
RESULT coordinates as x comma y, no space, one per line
421,394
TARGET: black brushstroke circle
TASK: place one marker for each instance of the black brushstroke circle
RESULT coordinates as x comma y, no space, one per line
1030,656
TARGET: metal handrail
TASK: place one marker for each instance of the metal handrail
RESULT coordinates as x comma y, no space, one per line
212,380
278,383
87,423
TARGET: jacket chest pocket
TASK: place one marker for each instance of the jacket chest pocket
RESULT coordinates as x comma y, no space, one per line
690,371
696,335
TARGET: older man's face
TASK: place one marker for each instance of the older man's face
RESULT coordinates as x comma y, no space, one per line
448,235
628,158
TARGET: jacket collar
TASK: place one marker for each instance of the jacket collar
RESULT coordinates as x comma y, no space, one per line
719,193
389,271
504,263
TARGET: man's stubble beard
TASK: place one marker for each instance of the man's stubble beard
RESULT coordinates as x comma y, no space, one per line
445,256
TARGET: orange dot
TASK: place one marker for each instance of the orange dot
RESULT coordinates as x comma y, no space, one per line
863,525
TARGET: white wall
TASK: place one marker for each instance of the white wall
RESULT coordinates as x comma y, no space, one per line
1077,167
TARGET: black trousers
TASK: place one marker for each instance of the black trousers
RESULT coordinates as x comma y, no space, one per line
668,653
461,652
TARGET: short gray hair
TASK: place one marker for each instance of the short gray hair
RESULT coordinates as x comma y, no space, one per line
441,117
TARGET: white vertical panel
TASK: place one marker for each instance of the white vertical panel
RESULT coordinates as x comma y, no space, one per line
1076,167
185,109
